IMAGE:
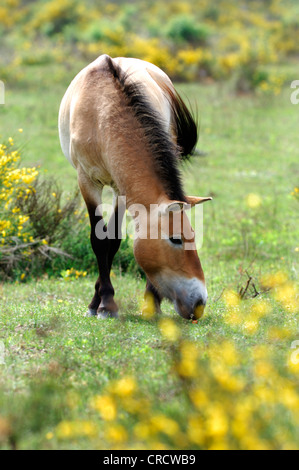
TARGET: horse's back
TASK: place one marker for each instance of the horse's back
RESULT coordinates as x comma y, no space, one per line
149,76
79,107
88,111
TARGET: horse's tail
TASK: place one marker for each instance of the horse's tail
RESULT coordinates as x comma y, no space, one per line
184,124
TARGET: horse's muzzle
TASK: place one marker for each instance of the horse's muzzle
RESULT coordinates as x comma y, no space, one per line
190,312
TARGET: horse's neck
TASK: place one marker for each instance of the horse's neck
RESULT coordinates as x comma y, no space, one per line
141,186
135,177
126,154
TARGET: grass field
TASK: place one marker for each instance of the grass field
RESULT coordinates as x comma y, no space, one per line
56,360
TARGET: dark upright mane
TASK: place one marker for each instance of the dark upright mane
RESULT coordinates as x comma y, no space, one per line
165,153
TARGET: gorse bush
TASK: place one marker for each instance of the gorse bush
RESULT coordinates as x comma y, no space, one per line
41,229
16,183
34,222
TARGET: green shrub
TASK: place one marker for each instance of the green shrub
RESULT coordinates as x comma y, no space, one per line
184,28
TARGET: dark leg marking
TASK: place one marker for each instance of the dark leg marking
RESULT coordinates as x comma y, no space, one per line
105,249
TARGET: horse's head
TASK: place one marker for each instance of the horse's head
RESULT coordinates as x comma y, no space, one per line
169,258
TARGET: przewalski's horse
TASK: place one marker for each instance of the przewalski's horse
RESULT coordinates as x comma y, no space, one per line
122,124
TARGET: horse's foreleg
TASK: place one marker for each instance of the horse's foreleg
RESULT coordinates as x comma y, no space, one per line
102,303
114,230
108,307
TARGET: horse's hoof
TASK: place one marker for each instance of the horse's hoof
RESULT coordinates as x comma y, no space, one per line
104,314
91,312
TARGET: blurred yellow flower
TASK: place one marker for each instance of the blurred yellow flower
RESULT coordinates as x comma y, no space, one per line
71,429
274,280
217,422
116,433
149,308
169,329
251,326
164,424
253,200
124,387
105,405
231,298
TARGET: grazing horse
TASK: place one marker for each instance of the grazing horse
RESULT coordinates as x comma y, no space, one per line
122,124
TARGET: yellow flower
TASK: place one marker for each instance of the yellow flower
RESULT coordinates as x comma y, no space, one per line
169,330
265,394
285,293
253,200
143,430
164,424
251,326
263,369
290,398
260,309
226,379
187,367
293,362
278,333
149,308
231,298
71,429
199,397
216,423
196,430
274,280
116,433
124,387
105,405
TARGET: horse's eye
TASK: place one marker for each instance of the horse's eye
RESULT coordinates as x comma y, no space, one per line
176,241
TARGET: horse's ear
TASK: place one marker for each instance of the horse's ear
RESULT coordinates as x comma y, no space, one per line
194,200
179,206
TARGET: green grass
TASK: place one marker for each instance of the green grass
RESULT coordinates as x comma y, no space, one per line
52,351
